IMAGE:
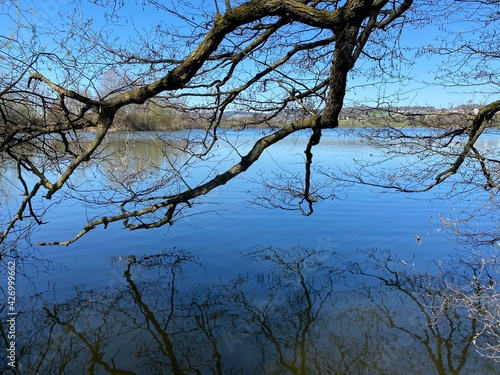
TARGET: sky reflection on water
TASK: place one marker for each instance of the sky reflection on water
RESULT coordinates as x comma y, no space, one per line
246,290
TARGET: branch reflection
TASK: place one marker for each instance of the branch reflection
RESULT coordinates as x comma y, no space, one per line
303,312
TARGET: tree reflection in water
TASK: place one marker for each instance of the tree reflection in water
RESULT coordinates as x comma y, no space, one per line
311,312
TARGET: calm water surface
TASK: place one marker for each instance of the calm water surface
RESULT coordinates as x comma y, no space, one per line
246,290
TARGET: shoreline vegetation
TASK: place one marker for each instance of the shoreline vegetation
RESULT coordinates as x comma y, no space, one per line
156,118
165,119
350,117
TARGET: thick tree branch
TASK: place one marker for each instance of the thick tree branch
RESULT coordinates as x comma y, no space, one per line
62,91
246,13
171,202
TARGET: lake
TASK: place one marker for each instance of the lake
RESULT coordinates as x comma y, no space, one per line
372,282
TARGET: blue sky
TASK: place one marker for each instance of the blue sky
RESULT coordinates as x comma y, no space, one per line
418,91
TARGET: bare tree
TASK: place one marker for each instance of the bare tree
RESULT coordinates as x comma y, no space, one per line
279,39
289,61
